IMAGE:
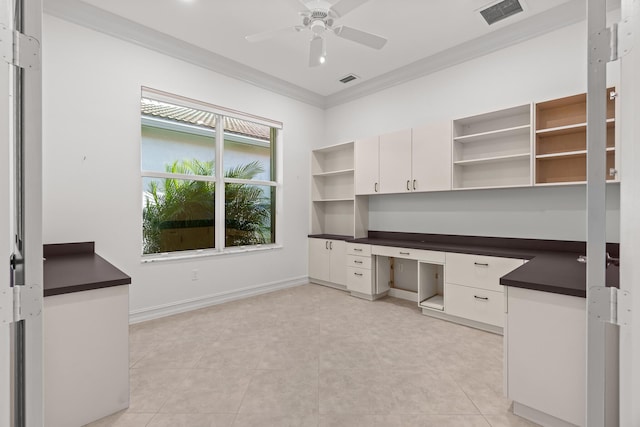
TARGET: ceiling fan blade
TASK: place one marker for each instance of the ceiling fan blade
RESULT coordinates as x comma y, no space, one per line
345,6
362,37
272,33
316,52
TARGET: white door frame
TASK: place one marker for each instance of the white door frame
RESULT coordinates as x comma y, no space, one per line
21,303
630,215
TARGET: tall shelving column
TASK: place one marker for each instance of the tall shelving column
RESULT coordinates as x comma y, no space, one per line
561,140
493,150
335,209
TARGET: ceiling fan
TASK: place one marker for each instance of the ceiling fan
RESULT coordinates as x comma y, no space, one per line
319,18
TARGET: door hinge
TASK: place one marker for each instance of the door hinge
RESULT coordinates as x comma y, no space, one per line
19,49
610,305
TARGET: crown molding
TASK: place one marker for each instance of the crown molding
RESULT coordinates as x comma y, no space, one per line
89,16
92,17
566,14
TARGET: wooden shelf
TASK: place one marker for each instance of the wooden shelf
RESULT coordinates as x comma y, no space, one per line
494,159
561,139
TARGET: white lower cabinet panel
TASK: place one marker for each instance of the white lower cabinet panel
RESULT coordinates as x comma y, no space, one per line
545,353
478,270
359,280
359,261
476,304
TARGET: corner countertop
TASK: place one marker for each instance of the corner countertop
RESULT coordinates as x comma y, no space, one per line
75,267
552,264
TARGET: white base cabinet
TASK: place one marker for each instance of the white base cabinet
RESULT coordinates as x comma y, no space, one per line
327,261
545,342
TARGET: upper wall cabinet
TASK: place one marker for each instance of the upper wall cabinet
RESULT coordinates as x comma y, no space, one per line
431,157
409,160
395,162
367,164
493,149
561,140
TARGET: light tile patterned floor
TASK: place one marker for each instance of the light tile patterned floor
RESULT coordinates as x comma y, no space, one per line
313,356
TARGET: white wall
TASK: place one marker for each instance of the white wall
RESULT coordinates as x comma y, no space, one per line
547,67
92,185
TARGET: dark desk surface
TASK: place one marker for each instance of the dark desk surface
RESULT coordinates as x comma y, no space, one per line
552,265
75,267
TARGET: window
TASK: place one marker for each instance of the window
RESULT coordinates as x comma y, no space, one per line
208,176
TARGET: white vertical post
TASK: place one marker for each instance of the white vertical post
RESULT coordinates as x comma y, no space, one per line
630,212
598,54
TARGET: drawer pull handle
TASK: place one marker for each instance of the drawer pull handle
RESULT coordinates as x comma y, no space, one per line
405,253
326,244
357,250
408,185
414,184
481,298
375,187
330,245
358,274
481,264
357,262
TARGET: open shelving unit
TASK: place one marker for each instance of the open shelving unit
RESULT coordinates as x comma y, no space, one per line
431,286
561,140
335,208
492,149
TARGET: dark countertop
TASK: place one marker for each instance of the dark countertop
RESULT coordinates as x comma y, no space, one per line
330,236
75,267
552,264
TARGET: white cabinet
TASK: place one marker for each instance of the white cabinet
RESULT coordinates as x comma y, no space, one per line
395,162
367,167
472,288
360,277
431,157
327,261
545,342
409,160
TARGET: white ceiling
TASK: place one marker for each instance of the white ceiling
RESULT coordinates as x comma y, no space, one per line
416,29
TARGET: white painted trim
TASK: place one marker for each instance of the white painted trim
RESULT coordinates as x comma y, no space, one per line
539,417
100,20
142,315
108,23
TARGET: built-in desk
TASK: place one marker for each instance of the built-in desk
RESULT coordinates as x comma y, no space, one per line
86,335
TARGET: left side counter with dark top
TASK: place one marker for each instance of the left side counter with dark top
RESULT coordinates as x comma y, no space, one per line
86,335
75,267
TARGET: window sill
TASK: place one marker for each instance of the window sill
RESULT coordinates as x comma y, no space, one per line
205,253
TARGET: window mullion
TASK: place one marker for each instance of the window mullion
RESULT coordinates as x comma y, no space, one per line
219,194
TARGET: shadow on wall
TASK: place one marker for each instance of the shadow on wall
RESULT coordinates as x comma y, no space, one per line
557,213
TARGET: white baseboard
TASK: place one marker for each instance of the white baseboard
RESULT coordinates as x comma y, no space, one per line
144,314
539,417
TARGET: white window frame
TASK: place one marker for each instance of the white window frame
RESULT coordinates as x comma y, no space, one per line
219,179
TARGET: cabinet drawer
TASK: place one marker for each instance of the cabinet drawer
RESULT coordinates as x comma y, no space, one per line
476,304
417,254
478,271
358,249
359,280
359,261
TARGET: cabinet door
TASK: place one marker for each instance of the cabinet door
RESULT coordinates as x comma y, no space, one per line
338,267
431,157
319,260
395,162
366,160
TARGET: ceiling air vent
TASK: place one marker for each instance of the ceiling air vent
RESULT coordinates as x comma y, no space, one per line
500,11
348,78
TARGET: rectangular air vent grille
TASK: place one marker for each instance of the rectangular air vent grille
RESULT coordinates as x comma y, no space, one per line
500,11
349,78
